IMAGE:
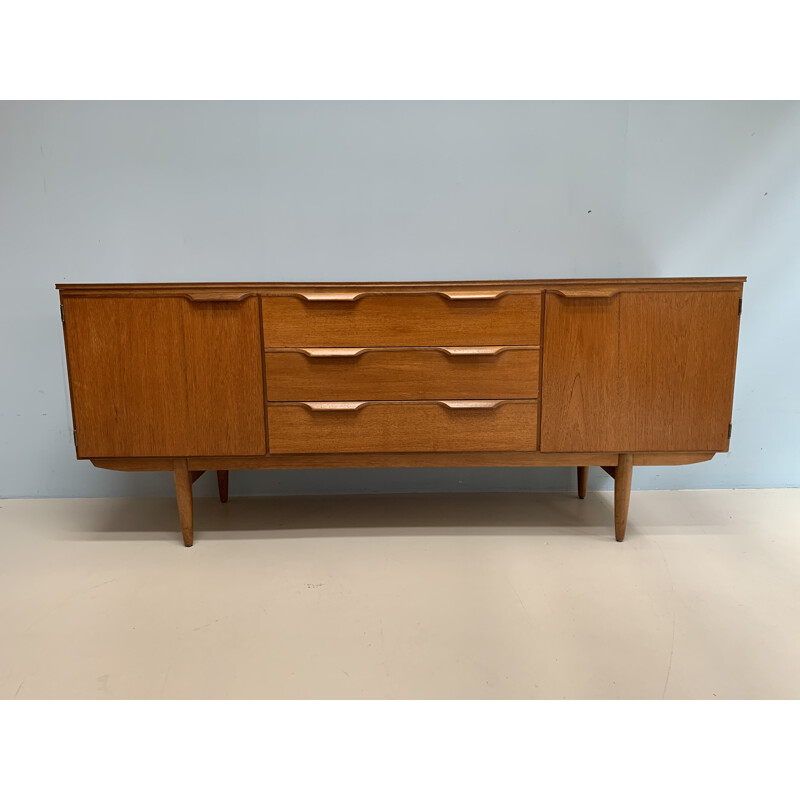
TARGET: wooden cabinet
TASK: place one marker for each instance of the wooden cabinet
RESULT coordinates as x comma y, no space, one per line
190,377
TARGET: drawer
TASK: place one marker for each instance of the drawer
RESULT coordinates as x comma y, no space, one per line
349,319
402,374
403,427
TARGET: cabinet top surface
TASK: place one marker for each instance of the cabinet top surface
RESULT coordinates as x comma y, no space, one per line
729,282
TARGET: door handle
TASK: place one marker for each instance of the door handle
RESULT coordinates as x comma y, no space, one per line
217,296
585,294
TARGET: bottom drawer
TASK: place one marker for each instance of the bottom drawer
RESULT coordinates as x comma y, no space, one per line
403,427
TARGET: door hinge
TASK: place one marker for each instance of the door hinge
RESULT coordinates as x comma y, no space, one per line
730,429
740,306
75,436
62,314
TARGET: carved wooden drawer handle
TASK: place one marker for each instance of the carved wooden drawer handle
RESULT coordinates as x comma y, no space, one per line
351,297
331,352
472,295
354,352
454,405
221,296
334,406
585,294
469,405
473,351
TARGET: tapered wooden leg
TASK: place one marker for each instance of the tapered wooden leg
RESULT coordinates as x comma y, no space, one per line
222,483
183,491
583,477
622,493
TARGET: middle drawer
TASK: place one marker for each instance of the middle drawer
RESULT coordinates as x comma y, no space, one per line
402,373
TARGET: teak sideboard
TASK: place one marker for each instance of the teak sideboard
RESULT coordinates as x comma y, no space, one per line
223,376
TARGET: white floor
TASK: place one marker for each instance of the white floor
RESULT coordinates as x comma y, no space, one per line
403,596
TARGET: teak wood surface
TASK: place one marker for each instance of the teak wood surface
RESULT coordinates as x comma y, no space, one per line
402,373
220,376
386,320
368,460
638,372
163,376
387,427
242,290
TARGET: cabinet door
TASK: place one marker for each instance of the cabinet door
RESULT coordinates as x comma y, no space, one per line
639,371
165,376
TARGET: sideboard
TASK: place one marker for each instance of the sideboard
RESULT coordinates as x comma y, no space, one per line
223,376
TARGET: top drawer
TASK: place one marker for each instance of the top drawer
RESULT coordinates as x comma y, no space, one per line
437,318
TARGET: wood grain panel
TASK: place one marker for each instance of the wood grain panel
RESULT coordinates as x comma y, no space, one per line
402,427
579,373
678,368
403,374
639,371
162,376
402,320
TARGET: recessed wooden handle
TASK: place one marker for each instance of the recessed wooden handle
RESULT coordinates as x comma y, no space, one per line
331,352
585,294
330,297
472,351
334,406
353,352
210,296
455,405
351,297
471,404
476,295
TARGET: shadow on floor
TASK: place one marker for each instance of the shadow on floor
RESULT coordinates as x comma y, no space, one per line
523,514
350,515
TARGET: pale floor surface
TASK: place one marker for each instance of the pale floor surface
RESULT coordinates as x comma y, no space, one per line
403,596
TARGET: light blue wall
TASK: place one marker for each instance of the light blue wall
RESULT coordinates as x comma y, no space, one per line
396,191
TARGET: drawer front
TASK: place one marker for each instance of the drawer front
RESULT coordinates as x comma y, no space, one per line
401,320
403,374
403,427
